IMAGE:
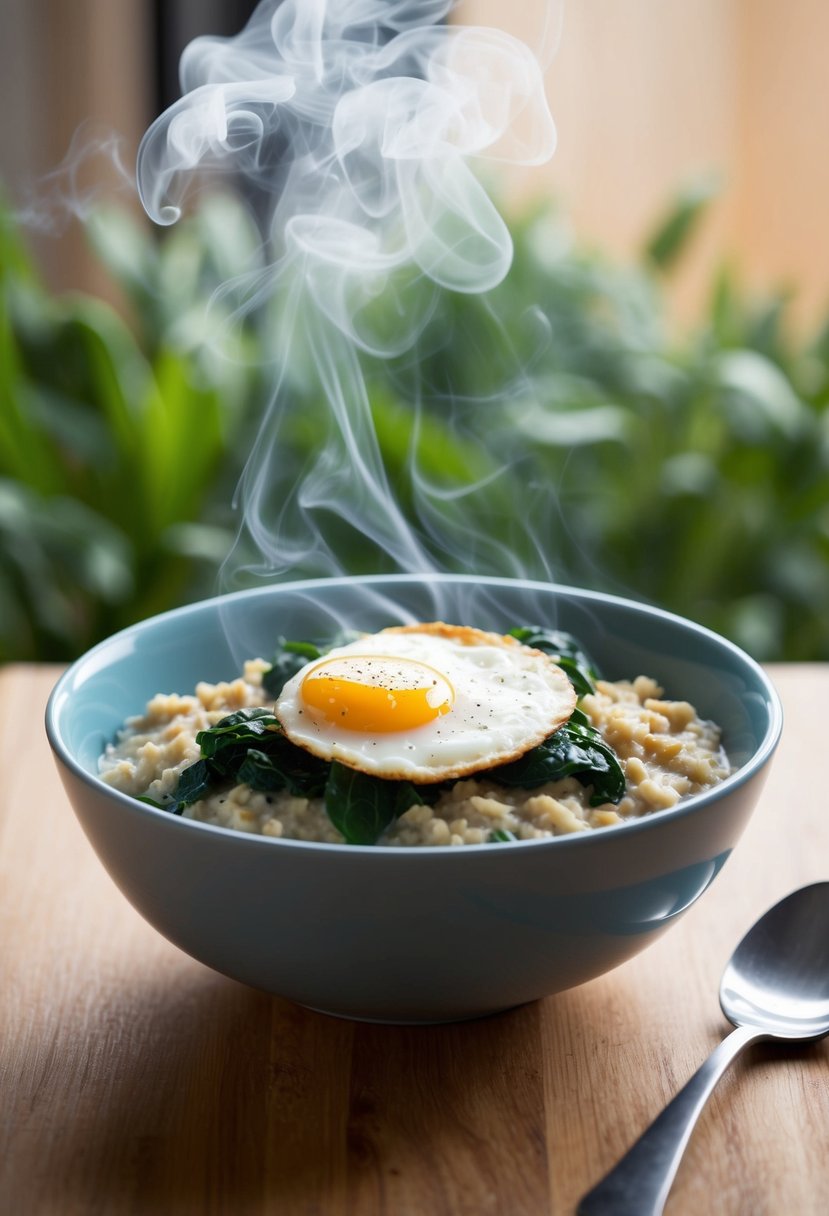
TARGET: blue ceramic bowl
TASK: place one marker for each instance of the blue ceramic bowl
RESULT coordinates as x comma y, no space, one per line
410,935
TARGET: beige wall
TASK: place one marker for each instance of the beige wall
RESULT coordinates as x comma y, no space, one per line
70,66
648,94
782,221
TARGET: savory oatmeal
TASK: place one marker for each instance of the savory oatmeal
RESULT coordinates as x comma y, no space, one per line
664,750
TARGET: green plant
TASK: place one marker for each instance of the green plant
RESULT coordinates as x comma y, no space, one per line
112,438
690,472
559,429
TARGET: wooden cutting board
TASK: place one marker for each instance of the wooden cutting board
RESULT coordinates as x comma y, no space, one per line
134,1080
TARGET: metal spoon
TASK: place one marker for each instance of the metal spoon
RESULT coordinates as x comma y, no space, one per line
776,986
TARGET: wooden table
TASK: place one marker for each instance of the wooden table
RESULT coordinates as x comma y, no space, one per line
135,1080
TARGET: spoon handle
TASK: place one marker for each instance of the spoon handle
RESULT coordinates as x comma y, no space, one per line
639,1184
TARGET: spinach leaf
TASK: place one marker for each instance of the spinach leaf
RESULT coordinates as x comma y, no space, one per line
160,806
248,747
226,744
291,657
499,836
566,651
575,750
278,764
288,659
194,783
245,724
259,772
362,807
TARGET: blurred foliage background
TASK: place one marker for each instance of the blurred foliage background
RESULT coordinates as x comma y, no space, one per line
691,470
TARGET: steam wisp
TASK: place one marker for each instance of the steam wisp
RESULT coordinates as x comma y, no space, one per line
353,126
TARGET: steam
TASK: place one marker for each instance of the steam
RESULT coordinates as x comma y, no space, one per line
353,125
93,168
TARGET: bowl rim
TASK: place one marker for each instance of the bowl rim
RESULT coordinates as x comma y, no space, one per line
683,809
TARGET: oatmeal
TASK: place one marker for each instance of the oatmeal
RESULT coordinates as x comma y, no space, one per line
666,752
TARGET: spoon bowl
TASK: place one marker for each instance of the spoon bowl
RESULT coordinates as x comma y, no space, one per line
777,979
775,987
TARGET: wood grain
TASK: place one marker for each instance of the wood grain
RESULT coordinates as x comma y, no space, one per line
134,1080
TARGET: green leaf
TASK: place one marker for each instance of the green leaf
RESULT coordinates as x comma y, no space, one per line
671,236
63,566
244,724
175,808
362,807
765,409
196,782
259,772
575,750
126,249
566,651
288,659
279,764
248,748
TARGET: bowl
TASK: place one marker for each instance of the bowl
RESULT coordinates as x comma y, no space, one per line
410,935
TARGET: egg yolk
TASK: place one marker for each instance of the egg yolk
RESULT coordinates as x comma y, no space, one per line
376,693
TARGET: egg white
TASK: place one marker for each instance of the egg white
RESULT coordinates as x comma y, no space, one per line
508,699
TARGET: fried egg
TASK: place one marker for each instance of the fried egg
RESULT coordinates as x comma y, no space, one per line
426,703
